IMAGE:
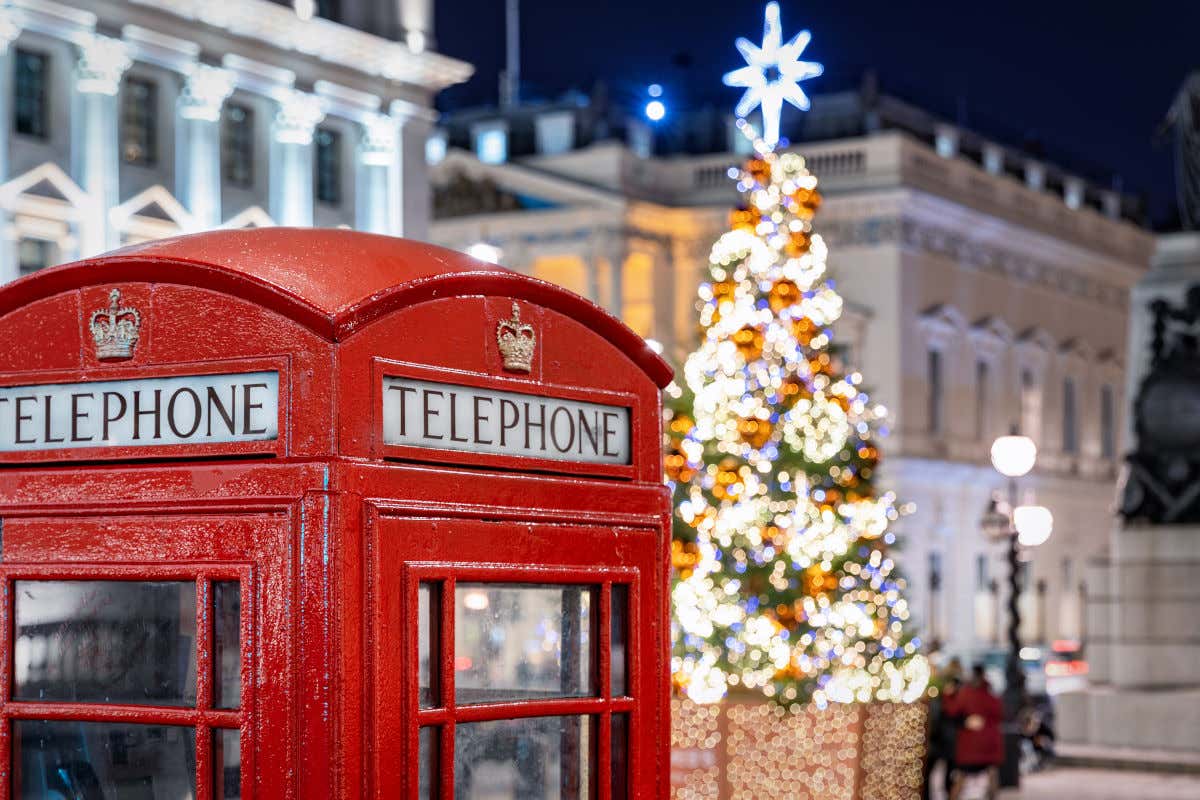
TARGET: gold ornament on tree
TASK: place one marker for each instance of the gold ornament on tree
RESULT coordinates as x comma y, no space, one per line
755,432
784,294
749,342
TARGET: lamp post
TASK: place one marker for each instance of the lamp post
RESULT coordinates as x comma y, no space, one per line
1018,526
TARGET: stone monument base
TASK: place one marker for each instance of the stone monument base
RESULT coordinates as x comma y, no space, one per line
1126,718
1143,644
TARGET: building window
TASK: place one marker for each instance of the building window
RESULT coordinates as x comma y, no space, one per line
329,9
1070,433
237,146
981,573
935,391
139,106
1108,423
34,254
555,132
1031,404
491,143
435,148
29,93
328,166
981,400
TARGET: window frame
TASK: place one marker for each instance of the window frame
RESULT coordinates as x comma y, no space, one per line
327,167
203,718
1108,422
600,706
237,141
935,408
41,129
1070,416
139,121
49,247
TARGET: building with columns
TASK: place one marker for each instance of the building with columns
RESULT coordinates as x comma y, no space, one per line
984,289
127,120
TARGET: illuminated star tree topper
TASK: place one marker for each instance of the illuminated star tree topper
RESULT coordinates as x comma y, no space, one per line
772,74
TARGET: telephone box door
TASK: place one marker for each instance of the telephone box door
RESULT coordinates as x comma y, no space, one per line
132,640
525,662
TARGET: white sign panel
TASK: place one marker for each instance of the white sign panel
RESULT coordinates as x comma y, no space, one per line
447,416
191,409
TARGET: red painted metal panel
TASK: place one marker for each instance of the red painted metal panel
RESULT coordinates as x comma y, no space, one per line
317,526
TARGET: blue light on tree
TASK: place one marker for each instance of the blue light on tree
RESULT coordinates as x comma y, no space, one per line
772,74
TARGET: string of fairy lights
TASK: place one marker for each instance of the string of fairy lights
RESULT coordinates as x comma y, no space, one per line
784,584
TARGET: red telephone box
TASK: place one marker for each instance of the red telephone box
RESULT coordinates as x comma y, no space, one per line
294,513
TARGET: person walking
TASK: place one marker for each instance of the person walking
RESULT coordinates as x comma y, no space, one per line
979,748
940,731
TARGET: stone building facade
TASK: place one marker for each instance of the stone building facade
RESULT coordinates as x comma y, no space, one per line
127,120
984,290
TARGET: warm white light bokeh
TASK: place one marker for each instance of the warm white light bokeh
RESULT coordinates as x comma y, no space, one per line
1033,523
1013,455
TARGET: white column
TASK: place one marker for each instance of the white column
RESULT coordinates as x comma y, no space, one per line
291,167
95,163
377,152
410,178
8,248
198,143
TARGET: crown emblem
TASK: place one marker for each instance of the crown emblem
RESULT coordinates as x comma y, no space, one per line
517,340
115,329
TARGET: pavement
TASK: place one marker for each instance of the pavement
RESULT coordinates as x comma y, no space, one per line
1066,783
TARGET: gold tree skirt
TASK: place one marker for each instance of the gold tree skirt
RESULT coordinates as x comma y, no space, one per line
749,749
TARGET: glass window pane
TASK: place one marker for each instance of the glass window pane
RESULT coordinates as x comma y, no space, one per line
103,760
428,650
227,644
227,764
541,758
106,642
427,763
619,624
522,642
619,756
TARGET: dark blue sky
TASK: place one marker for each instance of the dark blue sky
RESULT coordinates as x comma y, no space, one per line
1091,81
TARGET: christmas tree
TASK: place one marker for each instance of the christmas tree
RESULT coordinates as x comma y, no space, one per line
784,582
783,579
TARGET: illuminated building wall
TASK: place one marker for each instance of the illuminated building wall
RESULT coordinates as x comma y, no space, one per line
129,121
955,256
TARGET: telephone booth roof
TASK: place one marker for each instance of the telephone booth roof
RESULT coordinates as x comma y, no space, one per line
368,276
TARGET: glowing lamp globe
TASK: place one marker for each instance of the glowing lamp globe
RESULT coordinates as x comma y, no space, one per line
1013,455
485,252
1033,524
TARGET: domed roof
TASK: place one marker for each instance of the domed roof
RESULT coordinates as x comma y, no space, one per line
331,280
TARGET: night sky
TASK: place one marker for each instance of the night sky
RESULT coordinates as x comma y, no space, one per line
1086,84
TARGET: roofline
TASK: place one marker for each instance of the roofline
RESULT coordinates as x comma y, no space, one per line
117,268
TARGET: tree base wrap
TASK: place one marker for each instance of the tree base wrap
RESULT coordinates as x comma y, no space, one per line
745,748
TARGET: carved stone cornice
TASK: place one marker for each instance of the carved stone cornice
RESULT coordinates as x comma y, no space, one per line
297,117
102,62
377,147
982,256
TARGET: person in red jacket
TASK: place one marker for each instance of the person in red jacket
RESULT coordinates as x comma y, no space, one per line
980,744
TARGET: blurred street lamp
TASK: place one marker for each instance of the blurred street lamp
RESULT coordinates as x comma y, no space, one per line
485,252
1018,526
